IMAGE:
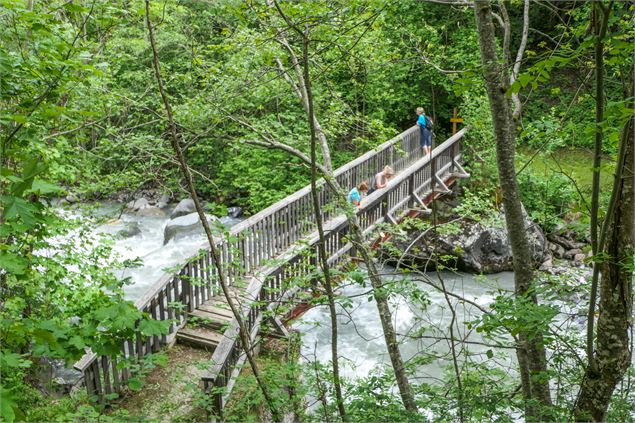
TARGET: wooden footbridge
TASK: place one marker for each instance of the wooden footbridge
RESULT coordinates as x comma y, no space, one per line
265,251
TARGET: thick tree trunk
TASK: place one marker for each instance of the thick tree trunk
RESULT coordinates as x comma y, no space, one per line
612,353
530,350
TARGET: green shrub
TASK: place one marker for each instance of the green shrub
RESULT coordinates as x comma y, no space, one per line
546,199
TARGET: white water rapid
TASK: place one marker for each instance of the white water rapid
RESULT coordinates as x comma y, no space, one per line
148,245
361,342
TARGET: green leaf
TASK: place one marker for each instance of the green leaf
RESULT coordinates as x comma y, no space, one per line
490,354
153,327
11,359
16,207
8,406
13,263
357,276
77,342
135,384
42,187
19,118
524,79
74,7
29,172
118,316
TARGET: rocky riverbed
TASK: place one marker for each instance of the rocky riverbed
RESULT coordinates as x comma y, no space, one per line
480,245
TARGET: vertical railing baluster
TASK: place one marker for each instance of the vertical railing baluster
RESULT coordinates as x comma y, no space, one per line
97,380
153,311
116,383
162,312
89,381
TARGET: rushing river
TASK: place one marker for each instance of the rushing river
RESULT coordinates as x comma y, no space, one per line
361,343
148,245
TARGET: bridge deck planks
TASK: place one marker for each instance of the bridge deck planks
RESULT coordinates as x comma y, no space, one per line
215,315
200,337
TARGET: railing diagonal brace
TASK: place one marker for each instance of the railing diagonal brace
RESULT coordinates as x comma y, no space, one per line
424,208
459,171
441,186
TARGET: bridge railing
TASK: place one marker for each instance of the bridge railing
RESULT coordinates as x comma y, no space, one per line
259,239
268,286
273,230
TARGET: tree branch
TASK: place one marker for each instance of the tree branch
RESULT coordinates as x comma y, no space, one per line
519,57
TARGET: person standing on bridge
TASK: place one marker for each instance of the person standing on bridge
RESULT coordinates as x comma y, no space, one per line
355,196
425,128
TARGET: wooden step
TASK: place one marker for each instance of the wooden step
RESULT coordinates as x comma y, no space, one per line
199,337
219,301
212,317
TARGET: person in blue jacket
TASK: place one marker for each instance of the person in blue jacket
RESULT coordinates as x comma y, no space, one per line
426,133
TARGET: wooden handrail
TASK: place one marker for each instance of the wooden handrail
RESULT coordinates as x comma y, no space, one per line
378,195
236,229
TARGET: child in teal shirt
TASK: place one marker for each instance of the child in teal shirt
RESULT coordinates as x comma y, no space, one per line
355,197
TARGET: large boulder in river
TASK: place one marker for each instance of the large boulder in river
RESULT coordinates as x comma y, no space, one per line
235,212
151,211
164,201
469,245
184,207
138,204
184,225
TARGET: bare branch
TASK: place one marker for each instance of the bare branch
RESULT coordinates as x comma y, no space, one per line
506,32
519,57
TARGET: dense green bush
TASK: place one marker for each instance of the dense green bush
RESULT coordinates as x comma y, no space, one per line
546,199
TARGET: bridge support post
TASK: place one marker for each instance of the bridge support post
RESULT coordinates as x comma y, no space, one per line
384,210
454,150
456,169
433,173
411,191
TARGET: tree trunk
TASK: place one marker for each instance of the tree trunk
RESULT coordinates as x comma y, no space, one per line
318,220
612,353
530,350
381,297
243,331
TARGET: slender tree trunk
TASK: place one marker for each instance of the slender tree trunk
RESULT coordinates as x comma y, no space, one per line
600,22
174,137
321,244
612,353
379,293
455,361
530,351
518,106
381,298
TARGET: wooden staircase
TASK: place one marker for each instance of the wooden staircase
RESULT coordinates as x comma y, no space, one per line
199,337
208,322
